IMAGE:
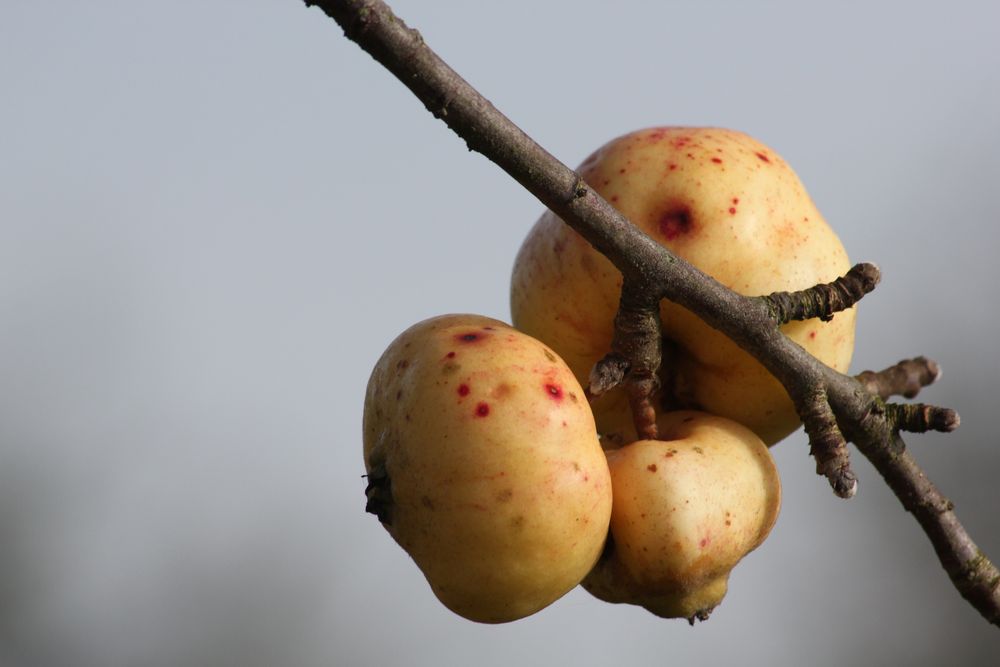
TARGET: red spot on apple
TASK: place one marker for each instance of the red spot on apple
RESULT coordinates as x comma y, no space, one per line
482,409
812,334
736,200
555,391
732,210
704,542
717,160
675,222
764,157
614,198
451,355
469,337
622,170
651,467
671,166
463,390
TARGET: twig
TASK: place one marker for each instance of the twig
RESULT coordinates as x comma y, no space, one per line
750,322
906,378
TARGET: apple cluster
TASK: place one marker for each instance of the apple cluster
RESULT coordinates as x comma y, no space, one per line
487,462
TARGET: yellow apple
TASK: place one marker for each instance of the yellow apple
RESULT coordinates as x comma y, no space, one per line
485,466
686,510
729,205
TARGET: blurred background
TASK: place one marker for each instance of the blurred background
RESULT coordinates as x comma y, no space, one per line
215,215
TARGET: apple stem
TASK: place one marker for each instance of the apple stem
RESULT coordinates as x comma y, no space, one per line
636,354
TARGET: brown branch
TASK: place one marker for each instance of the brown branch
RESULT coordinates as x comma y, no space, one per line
827,444
638,340
823,301
905,378
748,321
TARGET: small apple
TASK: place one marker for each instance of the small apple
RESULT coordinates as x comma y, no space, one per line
484,465
686,510
729,205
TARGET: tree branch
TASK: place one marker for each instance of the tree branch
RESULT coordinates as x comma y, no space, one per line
829,402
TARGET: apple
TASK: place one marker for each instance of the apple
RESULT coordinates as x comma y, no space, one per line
729,205
484,464
686,510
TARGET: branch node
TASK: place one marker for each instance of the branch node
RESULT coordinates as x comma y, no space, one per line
827,444
636,353
921,417
824,300
906,378
608,373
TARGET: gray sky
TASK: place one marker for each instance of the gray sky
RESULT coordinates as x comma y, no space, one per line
215,214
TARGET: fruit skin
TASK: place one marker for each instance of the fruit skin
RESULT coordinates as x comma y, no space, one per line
729,205
485,465
686,511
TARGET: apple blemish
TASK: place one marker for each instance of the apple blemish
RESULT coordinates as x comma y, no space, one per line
675,222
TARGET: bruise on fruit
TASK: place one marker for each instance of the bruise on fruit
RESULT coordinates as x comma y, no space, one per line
505,496
469,337
450,367
675,222
483,409
549,355
554,391
502,390
651,467
463,390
